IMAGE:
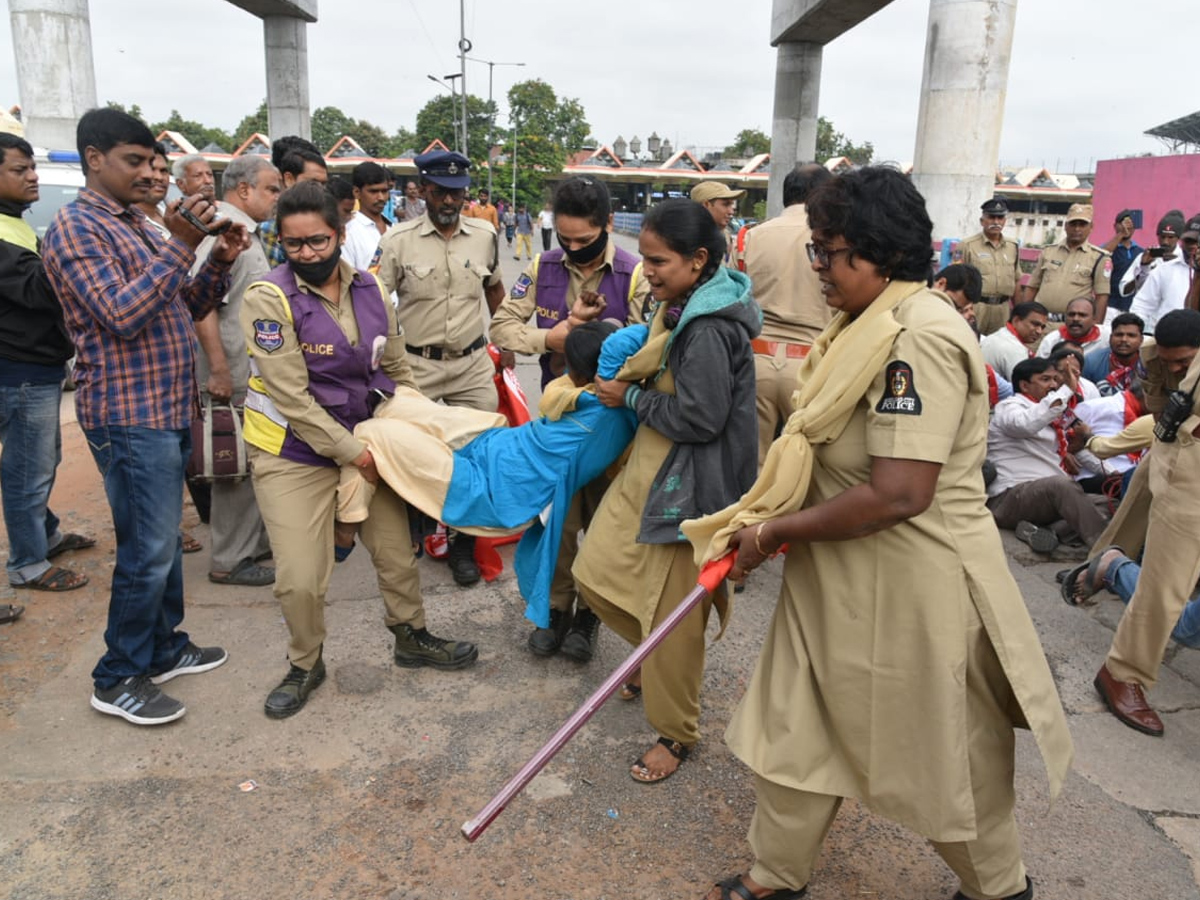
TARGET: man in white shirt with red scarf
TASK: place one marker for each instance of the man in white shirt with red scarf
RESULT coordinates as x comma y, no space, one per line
1080,327
1016,341
1035,489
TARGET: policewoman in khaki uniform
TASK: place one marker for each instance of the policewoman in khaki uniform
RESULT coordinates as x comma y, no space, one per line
441,267
789,293
324,350
998,261
901,656
586,260
1072,268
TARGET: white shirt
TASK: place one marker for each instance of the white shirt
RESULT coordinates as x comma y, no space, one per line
362,240
1105,416
546,219
1054,338
1002,350
1135,276
1166,289
1022,442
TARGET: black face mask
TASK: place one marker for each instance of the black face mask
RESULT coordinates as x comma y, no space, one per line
585,255
317,272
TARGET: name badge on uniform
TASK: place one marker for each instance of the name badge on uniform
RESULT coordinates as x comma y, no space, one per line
899,392
267,334
520,287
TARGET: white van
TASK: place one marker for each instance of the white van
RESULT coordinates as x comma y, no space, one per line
59,179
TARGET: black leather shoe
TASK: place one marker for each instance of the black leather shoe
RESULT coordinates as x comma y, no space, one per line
1026,894
292,693
416,647
462,560
580,642
546,641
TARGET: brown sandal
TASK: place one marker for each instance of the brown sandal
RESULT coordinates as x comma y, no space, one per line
55,579
629,691
190,544
641,772
70,541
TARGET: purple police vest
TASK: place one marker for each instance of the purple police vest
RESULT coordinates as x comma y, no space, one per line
341,377
553,279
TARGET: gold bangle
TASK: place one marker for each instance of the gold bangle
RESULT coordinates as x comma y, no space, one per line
757,544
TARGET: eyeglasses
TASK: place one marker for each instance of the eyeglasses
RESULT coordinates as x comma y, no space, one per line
317,241
823,256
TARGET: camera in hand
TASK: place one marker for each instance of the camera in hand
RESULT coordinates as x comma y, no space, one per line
1178,408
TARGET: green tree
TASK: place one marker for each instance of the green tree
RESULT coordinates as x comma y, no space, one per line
537,109
254,123
436,121
832,143
135,110
537,160
328,125
749,142
197,133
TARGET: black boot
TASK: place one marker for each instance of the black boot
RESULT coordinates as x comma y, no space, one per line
580,642
416,647
291,694
546,641
462,560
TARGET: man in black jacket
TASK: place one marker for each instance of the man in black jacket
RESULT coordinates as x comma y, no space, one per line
34,349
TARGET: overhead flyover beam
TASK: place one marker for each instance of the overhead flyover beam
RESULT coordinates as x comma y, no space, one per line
285,41
818,21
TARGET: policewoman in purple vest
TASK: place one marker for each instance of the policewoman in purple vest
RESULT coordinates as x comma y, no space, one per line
586,259
324,350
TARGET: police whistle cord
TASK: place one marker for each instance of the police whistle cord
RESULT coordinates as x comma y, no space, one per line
711,576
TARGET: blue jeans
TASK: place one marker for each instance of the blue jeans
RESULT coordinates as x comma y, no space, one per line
142,470
32,450
1122,578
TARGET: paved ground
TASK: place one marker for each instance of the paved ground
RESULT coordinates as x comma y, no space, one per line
362,794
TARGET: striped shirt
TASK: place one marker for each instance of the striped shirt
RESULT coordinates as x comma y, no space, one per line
128,304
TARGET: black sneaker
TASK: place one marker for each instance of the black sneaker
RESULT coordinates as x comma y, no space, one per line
546,641
136,699
462,560
194,659
416,647
291,694
580,642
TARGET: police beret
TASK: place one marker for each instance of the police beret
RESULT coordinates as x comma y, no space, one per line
995,207
444,167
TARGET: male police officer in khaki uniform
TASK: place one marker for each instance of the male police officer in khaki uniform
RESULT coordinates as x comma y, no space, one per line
1072,268
721,202
788,290
440,266
997,260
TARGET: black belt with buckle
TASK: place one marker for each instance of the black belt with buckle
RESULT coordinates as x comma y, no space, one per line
994,301
445,353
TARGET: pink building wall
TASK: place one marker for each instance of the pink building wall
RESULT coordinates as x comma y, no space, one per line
1153,184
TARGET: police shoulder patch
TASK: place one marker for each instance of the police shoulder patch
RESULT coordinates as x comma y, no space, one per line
520,287
899,392
267,334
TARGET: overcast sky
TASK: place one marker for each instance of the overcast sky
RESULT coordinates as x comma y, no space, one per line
658,65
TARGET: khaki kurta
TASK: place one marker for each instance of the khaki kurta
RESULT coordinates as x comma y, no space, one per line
998,266
1063,274
861,689
782,279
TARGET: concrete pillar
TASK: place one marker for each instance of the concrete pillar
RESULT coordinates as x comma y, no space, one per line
56,77
967,52
794,125
286,42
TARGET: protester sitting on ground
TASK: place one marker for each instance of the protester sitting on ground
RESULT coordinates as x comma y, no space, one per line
960,282
457,467
324,347
695,451
1113,570
1034,492
1017,340
1112,368
1080,326
901,657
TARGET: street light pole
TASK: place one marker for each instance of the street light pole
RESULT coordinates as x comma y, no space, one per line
464,47
491,64
453,105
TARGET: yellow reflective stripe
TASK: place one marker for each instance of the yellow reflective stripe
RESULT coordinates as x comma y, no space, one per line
633,280
265,426
17,231
287,307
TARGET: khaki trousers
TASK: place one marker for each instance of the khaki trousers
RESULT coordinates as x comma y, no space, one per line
1129,523
671,675
463,381
524,242
991,317
297,504
789,825
1170,565
583,506
776,382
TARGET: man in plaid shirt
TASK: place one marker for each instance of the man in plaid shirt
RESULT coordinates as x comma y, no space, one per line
128,304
